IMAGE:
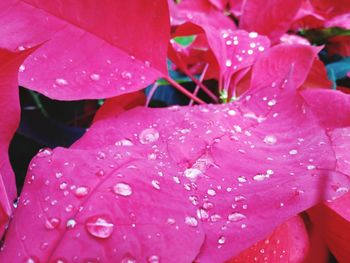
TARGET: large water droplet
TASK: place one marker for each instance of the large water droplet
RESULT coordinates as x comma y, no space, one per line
149,136
100,227
122,189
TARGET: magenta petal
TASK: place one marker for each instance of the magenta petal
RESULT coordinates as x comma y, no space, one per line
111,61
162,168
271,18
9,116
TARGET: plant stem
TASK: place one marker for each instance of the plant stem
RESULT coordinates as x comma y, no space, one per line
200,82
183,90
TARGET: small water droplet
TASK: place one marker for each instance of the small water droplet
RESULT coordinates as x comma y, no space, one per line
71,223
99,226
260,177
61,82
22,68
124,142
122,189
191,221
270,139
95,77
126,75
271,102
153,259
242,179
228,63
222,240
231,112
148,136
211,192
192,173
156,184
81,191
202,213
293,152
253,34
44,152
52,223
234,217
311,167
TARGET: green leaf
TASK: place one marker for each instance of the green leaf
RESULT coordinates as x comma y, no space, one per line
185,40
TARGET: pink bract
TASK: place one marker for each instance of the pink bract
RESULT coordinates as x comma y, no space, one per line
152,182
88,51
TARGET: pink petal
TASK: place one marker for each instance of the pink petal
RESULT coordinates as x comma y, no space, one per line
9,116
271,18
89,51
173,164
289,242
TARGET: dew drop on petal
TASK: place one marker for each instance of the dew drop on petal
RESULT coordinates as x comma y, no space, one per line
71,223
61,82
253,34
22,68
52,223
311,167
222,240
99,227
272,102
95,77
228,63
126,75
191,221
234,217
153,259
81,191
44,152
270,139
192,173
124,142
155,184
122,189
148,136
293,152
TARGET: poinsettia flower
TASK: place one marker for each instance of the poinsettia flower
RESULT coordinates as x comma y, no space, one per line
152,182
110,62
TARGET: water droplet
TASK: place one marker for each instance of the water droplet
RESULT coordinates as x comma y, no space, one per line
101,155
191,221
44,152
211,192
153,259
61,82
126,75
311,167
271,102
95,77
202,213
149,135
122,189
99,227
124,142
81,191
261,49
231,112
156,184
192,173
250,52
234,217
270,139
52,223
22,68
342,190
71,223
147,64
222,240
293,152
228,63
260,177
253,34
242,179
